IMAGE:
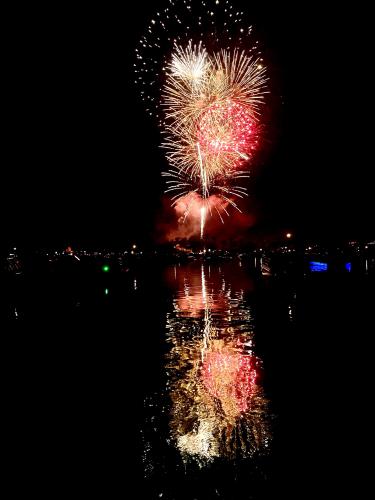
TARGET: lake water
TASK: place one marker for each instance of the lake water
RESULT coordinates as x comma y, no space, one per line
190,381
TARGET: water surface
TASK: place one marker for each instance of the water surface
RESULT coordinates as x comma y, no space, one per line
189,381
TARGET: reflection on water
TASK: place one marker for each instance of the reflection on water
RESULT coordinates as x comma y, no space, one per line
150,379
218,408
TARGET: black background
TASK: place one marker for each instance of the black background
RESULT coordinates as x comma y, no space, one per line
81,165
81,162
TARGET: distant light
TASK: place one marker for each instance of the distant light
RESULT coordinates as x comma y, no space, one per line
348,266
134,247
318,267
105,268
106,291
288,235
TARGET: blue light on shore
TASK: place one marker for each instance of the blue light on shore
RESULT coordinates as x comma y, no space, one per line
318,267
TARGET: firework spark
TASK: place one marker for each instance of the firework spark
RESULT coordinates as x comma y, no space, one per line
211,107
190,65
211,100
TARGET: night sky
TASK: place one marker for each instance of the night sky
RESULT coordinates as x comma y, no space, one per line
81,162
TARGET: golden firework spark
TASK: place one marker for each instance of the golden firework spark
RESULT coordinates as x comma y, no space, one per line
211,107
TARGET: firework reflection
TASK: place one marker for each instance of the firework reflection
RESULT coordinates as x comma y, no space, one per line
218,405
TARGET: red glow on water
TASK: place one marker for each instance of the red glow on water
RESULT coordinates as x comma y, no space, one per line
230,376
228,127
194,304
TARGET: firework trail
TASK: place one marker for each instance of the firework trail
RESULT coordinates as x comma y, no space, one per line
212,92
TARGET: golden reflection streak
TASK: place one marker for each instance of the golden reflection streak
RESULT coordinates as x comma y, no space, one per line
218,408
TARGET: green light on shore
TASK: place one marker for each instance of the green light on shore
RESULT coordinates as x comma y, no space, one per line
105,268
106,291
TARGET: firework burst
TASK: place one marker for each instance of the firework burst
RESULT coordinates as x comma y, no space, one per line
211,101
211,108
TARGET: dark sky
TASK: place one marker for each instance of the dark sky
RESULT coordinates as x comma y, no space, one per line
81,162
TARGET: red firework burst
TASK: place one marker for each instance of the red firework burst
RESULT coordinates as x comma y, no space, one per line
227,127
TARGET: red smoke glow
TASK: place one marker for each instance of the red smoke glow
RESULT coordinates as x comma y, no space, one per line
174,225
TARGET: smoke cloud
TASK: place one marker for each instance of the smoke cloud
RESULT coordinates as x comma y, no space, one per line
183,222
